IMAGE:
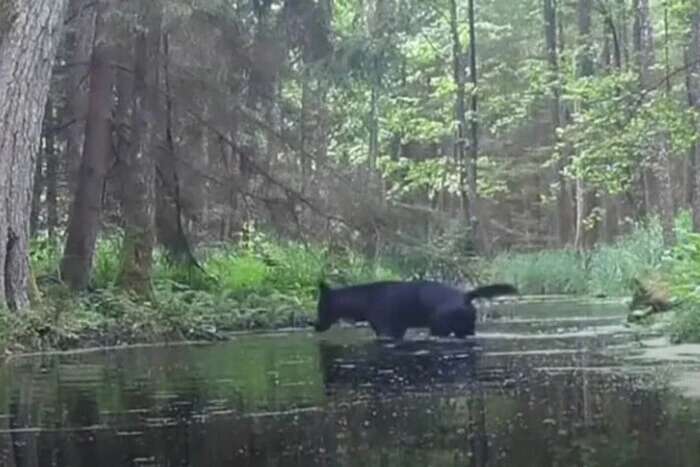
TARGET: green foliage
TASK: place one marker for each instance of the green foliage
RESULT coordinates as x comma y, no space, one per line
45,256
616,129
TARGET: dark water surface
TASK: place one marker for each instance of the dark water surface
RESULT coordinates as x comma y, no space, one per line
541,385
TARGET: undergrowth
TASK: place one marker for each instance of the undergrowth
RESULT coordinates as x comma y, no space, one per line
259,283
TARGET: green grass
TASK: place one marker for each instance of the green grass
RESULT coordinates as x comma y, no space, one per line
613,267
606,270
545,272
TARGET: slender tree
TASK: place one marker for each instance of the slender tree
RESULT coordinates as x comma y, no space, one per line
658,176
84,219
474,129
693,88
458,75
138,195
562,218
77,51
585,195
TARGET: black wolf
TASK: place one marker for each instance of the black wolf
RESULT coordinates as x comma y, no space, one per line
391,307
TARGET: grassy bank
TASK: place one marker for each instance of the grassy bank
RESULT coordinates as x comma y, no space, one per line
257,284
265,284
260,282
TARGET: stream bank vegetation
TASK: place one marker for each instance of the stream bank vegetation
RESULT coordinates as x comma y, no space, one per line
192,168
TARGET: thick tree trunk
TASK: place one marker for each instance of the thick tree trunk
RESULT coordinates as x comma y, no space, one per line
138,196
29,35
84,220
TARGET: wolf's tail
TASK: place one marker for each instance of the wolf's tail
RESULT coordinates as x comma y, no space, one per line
490,291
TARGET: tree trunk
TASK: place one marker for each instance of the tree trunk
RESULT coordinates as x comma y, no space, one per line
29,36
563,219
169,229
84,220
663,159
586,197
460,109
693,84
373,146
79,42
52,163
658,176
662,172
623,33
138,196
478,231
304,127
643,57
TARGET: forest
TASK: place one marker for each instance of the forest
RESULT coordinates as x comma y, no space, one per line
185,168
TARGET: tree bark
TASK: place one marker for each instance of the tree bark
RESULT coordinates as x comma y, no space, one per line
664,167
659,174
586,197
693,84
477,229
29,35
563,219
138,196
643,47
170,232
460,109
79,42
84,220
662,172
52,164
